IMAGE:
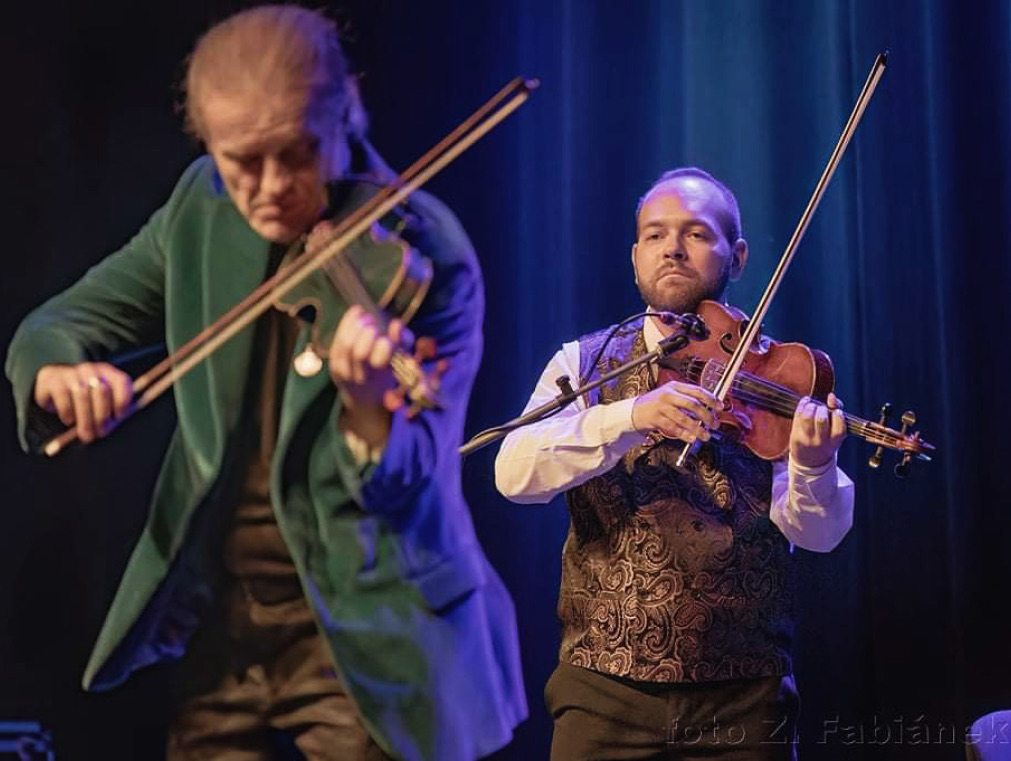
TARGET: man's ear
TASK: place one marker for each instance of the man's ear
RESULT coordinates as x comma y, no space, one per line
635,271
739,258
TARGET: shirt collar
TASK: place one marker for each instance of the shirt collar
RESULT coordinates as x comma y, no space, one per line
651,333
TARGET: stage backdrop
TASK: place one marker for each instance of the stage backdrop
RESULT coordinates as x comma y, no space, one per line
902,279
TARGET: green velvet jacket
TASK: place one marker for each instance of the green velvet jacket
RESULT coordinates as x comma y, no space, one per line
421,629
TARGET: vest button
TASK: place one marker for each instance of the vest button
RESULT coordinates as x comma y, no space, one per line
698,525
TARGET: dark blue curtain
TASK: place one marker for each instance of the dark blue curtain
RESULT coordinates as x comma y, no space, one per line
903,632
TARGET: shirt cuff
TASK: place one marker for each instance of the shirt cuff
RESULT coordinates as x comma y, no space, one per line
616,425
811,473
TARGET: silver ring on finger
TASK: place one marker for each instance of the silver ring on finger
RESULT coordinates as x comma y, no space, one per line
95,382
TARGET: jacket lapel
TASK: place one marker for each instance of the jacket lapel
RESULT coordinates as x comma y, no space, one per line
210,397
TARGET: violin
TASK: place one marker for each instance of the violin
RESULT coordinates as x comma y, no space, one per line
758,412
380,271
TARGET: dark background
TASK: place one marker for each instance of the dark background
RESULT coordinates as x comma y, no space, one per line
903,279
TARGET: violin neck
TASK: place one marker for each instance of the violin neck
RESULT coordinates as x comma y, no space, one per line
348,284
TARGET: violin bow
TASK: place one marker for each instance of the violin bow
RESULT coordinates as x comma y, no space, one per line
736,361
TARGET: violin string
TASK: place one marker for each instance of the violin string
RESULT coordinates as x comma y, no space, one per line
780,400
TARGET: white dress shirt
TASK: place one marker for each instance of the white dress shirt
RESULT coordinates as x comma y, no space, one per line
813,507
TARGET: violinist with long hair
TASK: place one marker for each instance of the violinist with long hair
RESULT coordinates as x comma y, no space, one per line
675,601
308,554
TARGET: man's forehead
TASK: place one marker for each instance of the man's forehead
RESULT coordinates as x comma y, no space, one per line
694,195
688,190
239,118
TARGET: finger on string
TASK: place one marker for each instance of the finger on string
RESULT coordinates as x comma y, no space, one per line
341,346
339,359
807,407
355,320
400,334
838,424
382,352
804,417
363,343
361,351
821,417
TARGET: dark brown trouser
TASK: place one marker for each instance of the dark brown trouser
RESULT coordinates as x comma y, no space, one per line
599,718
247,698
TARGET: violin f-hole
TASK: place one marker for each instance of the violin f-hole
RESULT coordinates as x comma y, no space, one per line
728,343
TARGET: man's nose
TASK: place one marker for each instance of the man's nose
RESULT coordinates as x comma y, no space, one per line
276,178
675,248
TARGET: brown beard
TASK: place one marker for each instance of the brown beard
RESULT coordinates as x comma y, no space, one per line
687,298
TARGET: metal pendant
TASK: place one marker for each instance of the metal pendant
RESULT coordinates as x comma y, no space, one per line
308,362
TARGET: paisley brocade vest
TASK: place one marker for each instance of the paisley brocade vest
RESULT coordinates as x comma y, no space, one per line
672,576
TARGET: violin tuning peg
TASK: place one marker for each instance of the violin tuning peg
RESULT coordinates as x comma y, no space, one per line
879,453
902,468
424,349
393,399
875,459
885,413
